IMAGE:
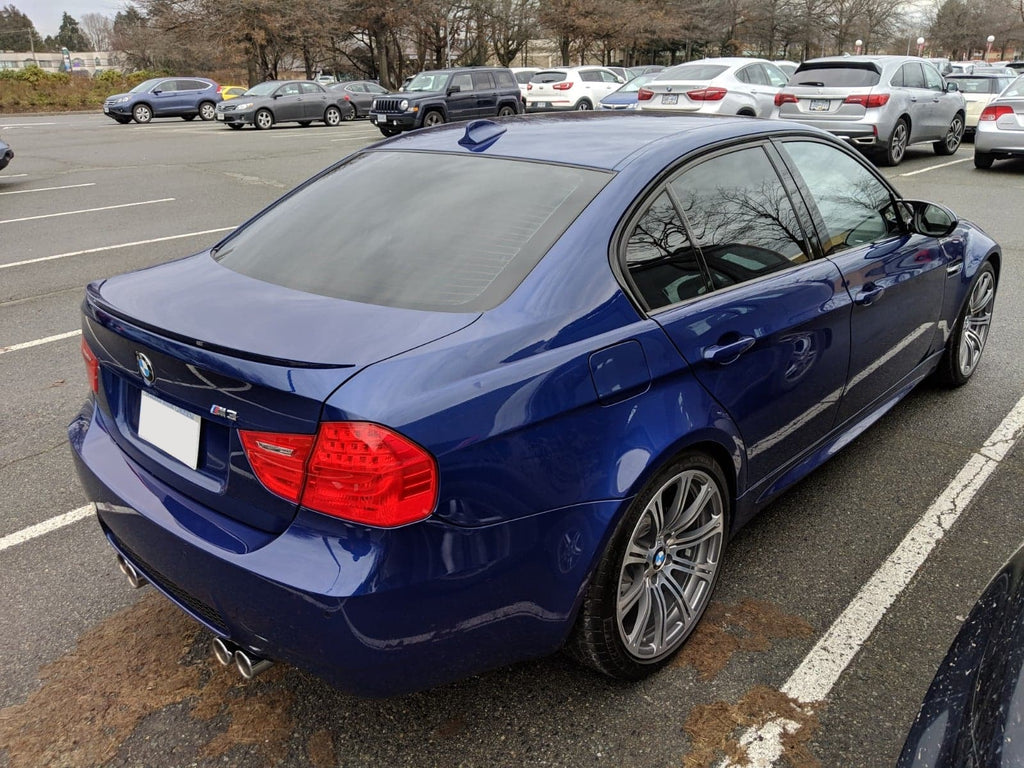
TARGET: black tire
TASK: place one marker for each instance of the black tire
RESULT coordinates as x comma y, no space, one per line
432,118
389,132
642,564
332,116
897,146
352,114
142,113
983,160
305,123
506,111
188,118
583,106
207,111
951,143
745,113
123,120
970,332
263,119
235,126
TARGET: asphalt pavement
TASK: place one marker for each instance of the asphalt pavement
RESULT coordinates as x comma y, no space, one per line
95,673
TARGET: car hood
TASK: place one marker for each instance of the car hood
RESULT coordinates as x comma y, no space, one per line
203,303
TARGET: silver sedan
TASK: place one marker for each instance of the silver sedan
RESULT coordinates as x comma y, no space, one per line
724,86
1000,132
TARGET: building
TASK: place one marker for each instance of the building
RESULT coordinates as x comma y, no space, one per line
89,62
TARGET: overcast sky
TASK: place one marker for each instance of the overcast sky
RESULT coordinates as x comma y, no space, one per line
46,14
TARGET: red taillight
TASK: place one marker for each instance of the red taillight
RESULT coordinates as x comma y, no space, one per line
352,470
92,366
562,86
644,95
868,100
785,98
995,111
713,93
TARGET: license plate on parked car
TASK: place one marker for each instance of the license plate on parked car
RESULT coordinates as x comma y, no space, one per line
820,105
220,116
173,430
670,98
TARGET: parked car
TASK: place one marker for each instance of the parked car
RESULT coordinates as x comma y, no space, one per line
231,91
978,90
359,95
184,97
403,457
570,88
723,86
283,101
6,154
974,709
1000,132
645,69
787,67
523,75
444,95
1018,66
881,104
626,96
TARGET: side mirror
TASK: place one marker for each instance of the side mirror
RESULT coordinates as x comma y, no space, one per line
929,219
277,95
951,87
157,92
454,89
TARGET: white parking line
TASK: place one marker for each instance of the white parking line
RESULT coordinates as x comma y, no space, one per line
47,189
37,342
86,210
114,247
13,176
33,531
936,167
821,669
23,125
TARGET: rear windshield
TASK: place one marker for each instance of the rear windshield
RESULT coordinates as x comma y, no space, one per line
430,231
548,77
968,84
836,75
691,72
523,77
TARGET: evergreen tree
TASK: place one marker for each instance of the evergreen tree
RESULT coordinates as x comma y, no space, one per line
15,30
70,35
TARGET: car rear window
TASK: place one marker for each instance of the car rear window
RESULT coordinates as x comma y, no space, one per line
548,77
524,77
691,72
430,231
968,84
837,75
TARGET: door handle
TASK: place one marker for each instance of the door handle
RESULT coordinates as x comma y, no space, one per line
723,354
868,295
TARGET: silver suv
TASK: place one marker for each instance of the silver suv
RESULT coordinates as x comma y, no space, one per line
881,104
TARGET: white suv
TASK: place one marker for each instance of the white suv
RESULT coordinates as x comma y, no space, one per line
564,88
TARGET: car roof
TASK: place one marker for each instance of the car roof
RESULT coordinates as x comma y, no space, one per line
605,140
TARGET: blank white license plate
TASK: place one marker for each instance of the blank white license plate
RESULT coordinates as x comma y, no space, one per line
220,116
173,430
670,98
820,105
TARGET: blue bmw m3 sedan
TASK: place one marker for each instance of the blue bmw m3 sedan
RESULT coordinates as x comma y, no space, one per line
525,410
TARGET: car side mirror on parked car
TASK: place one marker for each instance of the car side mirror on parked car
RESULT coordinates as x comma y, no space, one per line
454,89
929,219
951,87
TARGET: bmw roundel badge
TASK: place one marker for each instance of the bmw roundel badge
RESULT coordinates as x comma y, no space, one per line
145,368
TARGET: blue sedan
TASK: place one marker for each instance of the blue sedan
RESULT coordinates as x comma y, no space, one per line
6,154
564,361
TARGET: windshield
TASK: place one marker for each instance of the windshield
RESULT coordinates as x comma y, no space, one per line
428,81
634,85
363,232
837,75
691,72
146,85
263,89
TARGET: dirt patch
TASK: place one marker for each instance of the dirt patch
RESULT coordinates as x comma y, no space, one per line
715,729
725,629
321,750
136,663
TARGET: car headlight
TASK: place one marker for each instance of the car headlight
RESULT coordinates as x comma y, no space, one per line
403,105
247,105
122,99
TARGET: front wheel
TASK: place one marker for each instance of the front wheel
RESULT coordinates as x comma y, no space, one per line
263,119
656,578
967,342
332,116
506,111
432,118
951,143
897,147
207,111
142,113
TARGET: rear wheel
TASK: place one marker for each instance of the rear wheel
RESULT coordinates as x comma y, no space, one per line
142,113
897,147
951,143
983,160
263,119
583,105
967,342
352,114
207,111
656,578
332,116
389,132
506,111
235,126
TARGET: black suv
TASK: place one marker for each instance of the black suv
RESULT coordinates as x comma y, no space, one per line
442,95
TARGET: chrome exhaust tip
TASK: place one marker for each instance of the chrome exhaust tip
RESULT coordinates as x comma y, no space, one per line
250,666
223,651
135,578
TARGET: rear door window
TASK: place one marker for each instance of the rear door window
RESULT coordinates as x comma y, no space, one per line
482,81
932,79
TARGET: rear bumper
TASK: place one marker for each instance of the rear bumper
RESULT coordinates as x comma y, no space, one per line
998,142
861,133
375,612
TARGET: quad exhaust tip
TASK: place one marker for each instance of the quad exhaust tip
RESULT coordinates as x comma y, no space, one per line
224,651
135,578
249,666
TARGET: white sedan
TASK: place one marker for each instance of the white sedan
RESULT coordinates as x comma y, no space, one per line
726,86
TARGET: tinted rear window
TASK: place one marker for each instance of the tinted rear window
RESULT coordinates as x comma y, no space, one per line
524,77
691,72
968,84
836,75
548,77
415,230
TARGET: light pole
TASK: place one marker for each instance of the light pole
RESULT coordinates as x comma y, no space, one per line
920,45
988,47
858,43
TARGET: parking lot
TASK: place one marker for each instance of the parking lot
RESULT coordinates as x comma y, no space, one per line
95,673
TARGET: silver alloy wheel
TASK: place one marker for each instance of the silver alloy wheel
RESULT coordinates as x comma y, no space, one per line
670,564
207,111
955,135
506,111
977,320
142,113
898,142
264,119
332,116
433,118
583,105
